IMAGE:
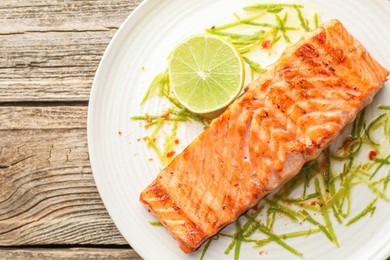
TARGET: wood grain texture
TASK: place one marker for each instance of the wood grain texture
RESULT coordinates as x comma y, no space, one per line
63,15
49,50
52,66
67,254
47,191
63,117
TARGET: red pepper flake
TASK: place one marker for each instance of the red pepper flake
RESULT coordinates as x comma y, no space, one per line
165,115
177,141
347,141
266,44
372,155
171,153
261,252
148,119
119,132
313,203
255,208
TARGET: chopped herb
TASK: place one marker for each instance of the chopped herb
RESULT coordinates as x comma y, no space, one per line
316,223
237,23
325,213
253,65
207,245
374,188
303,21
358,125
278,240
282,27
156,223
382,162
384,107
156,149
302,233
316,24
287,211
369,208
275,10
373,125
303,198
269,6
156,87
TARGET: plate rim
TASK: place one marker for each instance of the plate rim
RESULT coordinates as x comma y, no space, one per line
127,24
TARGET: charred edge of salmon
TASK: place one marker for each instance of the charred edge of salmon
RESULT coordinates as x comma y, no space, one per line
380,72
195,236
155,197
306,50
184,229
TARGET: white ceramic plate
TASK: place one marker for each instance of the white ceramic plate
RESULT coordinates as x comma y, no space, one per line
120,164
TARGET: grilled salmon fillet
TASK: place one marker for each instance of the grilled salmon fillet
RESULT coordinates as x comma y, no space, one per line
284,119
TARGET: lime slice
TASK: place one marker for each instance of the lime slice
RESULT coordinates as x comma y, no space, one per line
206,73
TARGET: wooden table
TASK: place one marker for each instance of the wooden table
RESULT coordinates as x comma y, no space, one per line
49,205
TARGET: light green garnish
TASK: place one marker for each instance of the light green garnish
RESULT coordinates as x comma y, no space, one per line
263,242
156,223
254,65
278,240
325,213
369,208
316,24
324,193
270,6
304,22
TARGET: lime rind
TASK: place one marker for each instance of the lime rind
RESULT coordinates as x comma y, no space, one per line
206,73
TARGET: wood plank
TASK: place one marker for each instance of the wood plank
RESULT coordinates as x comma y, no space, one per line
64,117
67,253
47,191
50,66
68,15
49,51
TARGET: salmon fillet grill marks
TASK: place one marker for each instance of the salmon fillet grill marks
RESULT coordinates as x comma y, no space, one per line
285,118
